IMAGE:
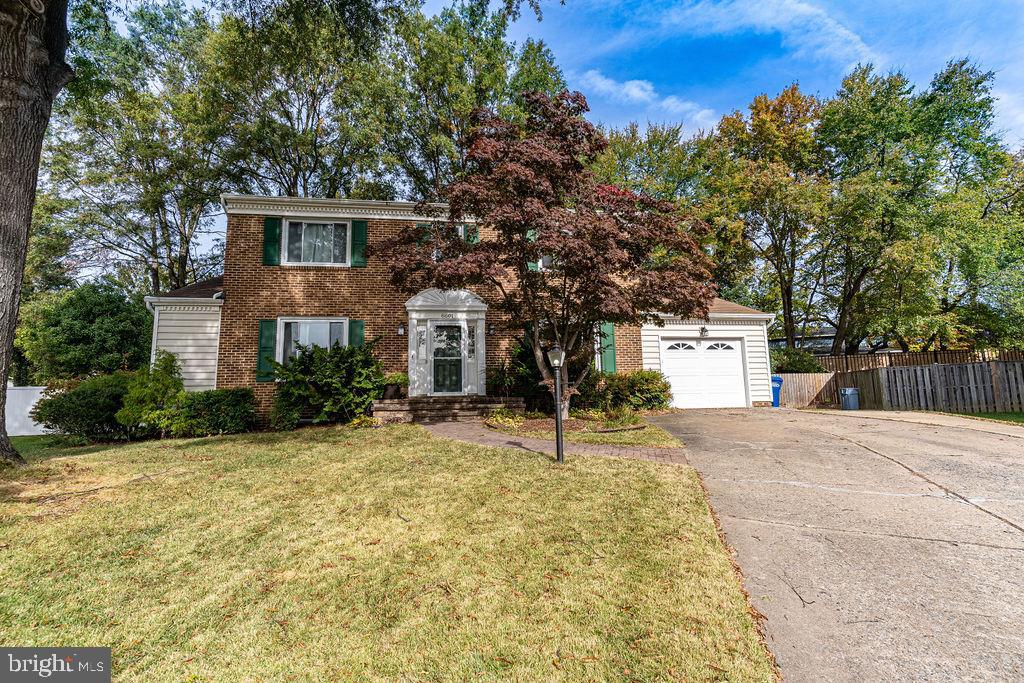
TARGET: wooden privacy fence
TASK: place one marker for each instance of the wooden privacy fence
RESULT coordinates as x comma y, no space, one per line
803,389
996,386
870,361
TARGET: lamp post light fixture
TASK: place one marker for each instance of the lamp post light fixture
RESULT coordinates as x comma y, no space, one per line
401,329
556,357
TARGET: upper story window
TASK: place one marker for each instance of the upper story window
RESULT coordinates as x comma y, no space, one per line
317,243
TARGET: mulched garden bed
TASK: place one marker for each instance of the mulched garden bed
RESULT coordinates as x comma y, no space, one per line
571,424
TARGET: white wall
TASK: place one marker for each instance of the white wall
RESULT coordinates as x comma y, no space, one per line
753,334
19,402
192,333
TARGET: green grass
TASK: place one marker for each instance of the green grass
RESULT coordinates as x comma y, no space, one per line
648,436
1015,418
385,554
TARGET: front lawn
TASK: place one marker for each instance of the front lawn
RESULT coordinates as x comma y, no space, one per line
385,554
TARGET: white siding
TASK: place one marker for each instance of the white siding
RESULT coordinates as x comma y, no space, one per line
751,333
192,333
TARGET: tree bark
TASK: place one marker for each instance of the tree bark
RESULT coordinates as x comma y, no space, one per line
33,44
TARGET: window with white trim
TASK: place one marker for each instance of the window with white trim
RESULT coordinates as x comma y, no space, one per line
720,346
680,346
297,333
317,243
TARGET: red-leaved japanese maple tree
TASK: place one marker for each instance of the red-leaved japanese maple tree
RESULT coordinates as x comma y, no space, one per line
560,254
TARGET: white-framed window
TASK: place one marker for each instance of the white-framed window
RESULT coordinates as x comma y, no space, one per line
680,346
295,333
323,243
720,346
465,231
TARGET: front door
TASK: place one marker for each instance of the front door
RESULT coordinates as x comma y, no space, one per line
447,359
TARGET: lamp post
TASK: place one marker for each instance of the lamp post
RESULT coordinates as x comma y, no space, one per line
556,357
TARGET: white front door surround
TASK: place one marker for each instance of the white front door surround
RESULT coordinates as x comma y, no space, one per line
430,347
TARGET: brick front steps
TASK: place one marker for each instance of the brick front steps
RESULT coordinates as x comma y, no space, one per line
442,408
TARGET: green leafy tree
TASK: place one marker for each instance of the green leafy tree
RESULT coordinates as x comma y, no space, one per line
134,153
94,328
660,162
444,68
767,176
303,105
917,218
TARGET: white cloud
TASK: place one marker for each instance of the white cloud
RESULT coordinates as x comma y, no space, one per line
1010,116
694,115
641,92
807,30
630,92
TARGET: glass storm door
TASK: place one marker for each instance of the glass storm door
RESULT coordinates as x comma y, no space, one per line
447,359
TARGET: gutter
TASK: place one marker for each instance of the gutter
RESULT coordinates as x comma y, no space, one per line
215,300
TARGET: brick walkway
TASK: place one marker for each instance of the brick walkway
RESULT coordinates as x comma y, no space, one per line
477,433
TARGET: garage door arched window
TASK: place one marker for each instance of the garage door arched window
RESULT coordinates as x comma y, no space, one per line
720,346
680,346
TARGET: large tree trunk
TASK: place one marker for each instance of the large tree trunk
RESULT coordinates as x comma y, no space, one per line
33,42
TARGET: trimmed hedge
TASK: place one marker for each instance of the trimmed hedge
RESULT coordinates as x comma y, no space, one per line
89,409
637,390
217,411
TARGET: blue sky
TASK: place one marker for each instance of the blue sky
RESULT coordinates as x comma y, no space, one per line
695,60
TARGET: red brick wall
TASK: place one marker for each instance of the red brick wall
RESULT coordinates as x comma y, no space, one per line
253,291
628,353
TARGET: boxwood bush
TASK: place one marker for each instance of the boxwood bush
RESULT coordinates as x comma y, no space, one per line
637,390
217,411
88,409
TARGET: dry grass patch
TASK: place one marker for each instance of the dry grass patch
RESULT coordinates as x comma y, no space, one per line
369,555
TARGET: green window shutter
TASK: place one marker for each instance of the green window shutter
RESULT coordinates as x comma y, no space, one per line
359,244
356,332
472,234
268,347
425,237
607,347
271,241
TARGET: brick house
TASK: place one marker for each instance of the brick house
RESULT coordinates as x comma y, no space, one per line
301,271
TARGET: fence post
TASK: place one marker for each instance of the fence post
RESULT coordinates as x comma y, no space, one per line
883,387
938,387
994,369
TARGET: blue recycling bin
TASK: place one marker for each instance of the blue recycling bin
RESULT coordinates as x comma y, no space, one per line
776,391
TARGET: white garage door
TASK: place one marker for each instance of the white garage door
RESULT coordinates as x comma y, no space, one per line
704,373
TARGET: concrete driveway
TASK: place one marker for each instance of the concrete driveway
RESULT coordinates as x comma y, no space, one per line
879,546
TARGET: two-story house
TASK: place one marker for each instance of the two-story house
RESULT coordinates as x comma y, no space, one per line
298,271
